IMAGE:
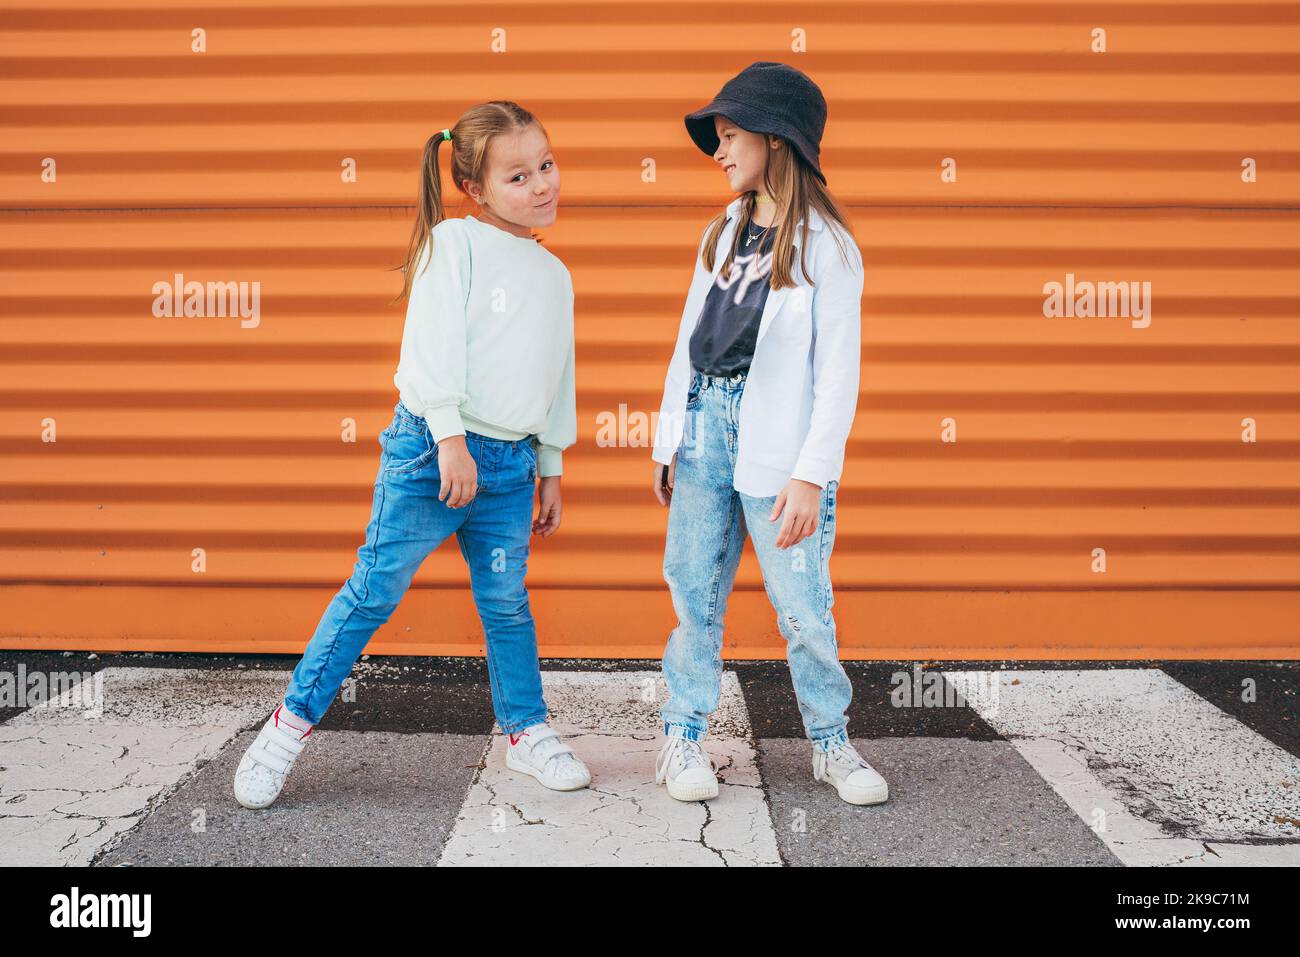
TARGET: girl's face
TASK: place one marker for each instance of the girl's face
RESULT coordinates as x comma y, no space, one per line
522,183
742,155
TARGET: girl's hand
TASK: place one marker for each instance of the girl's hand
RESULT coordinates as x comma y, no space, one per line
548,511
459,472
801,502
662,492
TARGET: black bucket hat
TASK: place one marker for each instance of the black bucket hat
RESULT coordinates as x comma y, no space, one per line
767,97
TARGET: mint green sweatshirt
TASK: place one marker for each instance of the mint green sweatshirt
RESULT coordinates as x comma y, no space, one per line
488,341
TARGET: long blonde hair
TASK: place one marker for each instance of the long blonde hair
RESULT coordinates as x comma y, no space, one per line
795,187
470,138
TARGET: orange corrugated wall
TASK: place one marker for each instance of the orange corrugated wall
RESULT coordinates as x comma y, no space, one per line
1073,434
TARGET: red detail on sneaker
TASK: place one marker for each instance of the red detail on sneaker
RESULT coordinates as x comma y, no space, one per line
515,739
277,723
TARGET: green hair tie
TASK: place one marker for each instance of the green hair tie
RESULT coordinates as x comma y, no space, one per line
446,134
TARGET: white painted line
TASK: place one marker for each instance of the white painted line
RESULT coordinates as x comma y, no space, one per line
1159,773
73,778
611,719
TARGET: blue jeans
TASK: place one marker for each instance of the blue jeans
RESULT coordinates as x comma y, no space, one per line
707,524
407,522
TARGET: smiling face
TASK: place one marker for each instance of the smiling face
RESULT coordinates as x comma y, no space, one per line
742,155
521,185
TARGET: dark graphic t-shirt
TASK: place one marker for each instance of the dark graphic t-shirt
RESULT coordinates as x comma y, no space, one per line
724,338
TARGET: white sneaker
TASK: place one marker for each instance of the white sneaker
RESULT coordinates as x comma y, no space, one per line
266,764
538,751
687,770
856,781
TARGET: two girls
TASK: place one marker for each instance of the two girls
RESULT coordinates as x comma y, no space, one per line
758,402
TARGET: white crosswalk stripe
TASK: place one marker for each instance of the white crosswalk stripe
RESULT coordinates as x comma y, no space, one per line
74,778
1160,774
623,817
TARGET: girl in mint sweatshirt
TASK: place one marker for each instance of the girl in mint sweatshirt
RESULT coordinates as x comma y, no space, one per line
487,407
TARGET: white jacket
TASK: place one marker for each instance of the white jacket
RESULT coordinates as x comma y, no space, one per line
801,392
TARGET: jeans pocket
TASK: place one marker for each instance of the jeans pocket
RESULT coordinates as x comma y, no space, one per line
693,392
408,451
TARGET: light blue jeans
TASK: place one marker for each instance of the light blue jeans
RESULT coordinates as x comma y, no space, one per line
708,521
407,522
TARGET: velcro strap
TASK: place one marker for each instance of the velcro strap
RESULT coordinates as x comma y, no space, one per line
276,749
559,750
544,735
551,751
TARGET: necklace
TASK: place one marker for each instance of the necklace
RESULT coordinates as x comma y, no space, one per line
752,236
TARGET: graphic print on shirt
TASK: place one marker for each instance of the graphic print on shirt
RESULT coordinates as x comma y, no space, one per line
724,338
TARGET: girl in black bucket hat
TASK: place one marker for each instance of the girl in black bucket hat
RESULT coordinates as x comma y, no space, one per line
758,402
785,177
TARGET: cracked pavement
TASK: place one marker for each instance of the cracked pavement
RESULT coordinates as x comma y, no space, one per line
71,783
1049,763
623,817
